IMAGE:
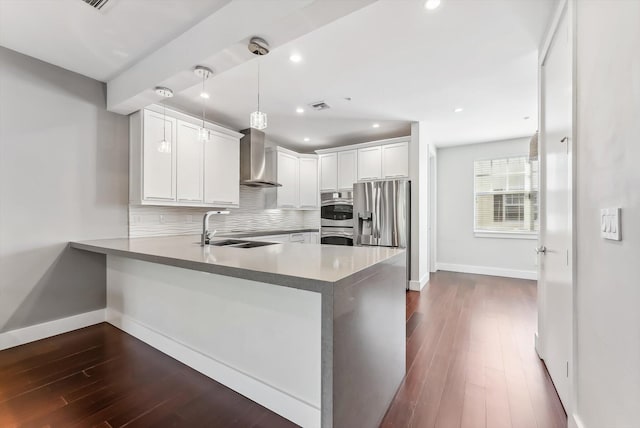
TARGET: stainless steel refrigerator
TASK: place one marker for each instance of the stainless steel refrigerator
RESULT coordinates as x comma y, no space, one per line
382,215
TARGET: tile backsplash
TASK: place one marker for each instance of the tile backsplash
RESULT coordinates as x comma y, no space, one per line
251,216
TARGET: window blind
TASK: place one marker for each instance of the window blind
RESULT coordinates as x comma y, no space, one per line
506,195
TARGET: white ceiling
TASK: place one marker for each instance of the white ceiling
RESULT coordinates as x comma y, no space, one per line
399,63
396,60
98,44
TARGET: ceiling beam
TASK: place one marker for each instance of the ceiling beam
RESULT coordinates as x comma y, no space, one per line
219,41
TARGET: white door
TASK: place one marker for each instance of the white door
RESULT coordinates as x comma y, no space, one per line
555,264
369,163
222,171
308,182
189,159
347,166
395,160
328,171
288,177
159,165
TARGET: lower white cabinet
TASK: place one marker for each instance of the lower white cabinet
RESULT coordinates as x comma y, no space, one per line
300,238
269,238
221,173
184,171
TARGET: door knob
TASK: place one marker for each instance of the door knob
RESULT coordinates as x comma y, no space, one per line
542,250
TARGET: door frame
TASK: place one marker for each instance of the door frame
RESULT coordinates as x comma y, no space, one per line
567,7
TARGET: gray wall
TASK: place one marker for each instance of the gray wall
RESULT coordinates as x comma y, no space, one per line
456,243
63,176
608,272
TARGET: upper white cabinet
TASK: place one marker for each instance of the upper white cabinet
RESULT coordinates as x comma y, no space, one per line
347,167
341,167
189,152
185,171
158,178
288,177
395,160
370,163
221,174
328,165
298,176
308,187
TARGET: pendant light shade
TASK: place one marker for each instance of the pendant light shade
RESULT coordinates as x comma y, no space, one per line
164,146
258,119
204,73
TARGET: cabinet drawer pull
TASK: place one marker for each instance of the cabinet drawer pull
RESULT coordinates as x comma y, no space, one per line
395,175
221,202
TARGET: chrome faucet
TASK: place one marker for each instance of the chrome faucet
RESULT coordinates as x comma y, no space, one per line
206,235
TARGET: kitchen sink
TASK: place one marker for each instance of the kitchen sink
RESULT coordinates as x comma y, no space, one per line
226,242
236,243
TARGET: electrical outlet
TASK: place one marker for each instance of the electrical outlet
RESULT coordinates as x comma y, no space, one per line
161,219
610,224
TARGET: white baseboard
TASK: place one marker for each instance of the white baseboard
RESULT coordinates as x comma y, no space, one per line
419,285
292,408
537,345
32,333
487,270
575,421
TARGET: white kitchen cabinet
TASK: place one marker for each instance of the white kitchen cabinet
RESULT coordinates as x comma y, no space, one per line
288,177
268,238
347,167
395,160
308,184
159,167
369,163
189,163
300,238
222,171
190,173
312,238
328,166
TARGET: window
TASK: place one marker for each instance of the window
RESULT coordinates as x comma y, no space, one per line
506,195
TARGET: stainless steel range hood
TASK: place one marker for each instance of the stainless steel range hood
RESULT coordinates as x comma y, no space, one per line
253,163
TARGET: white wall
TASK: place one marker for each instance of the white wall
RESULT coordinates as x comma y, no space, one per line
608,273
63,176
457,247
419,175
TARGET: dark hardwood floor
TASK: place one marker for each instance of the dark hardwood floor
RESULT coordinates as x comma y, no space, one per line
101,377
470,364
471,361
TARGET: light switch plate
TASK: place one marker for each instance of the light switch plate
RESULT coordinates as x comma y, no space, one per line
610,224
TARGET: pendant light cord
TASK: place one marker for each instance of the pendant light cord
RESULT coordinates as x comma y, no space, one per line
203,99
259,83
164,120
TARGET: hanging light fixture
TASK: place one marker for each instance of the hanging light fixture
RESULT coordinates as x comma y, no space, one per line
259,47
204,73
164,146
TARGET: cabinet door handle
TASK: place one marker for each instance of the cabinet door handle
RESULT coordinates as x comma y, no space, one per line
222,202
395,175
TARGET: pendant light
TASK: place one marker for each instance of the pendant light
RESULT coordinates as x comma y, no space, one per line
259,47
204,73
164,146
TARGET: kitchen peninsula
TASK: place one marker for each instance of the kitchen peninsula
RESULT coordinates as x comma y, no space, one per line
315,333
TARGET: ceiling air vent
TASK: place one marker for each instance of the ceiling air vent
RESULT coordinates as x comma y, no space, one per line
96,4
320,105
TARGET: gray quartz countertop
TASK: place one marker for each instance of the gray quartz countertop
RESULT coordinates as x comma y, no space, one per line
278,263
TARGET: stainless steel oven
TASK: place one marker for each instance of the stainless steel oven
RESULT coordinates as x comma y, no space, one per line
336,209
337,236
336,218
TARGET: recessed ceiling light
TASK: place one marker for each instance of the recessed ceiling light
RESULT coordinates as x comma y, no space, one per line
432,4
307,139
299,110
458,110
376,125
204,95
295,58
